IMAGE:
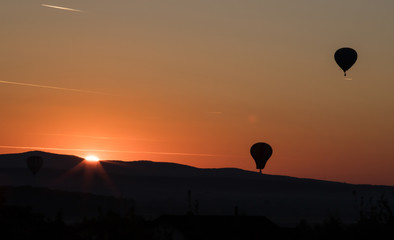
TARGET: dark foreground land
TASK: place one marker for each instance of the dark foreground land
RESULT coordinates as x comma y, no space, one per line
21,223
158,188
113,218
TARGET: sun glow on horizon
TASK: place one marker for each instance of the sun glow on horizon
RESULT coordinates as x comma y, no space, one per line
92,158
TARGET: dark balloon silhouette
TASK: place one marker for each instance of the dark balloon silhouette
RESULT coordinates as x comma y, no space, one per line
345,58
34,163
261,152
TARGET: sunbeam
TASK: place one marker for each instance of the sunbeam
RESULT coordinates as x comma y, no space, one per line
89,171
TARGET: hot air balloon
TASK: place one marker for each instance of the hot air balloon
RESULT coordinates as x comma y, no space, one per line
345,58
261,152
34,163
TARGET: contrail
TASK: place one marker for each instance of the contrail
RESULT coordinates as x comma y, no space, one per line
61,8
51,87
114,151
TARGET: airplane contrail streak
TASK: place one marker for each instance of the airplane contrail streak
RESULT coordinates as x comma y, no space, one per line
51,87
61,8
114,151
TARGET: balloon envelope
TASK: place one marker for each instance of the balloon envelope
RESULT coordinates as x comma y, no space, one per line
345,58
34,163
261,152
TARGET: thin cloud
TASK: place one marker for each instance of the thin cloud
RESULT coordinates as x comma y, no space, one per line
74,135
51,87
113,151
61,8
96,137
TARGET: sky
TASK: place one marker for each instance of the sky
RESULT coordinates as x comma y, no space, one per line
199,82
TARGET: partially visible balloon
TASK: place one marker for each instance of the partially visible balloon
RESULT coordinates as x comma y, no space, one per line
34,163
261,152
345,58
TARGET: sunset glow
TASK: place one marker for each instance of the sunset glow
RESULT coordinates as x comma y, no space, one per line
92,158
199,82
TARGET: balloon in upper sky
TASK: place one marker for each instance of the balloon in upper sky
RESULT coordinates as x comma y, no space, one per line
34,163
261,152
345,58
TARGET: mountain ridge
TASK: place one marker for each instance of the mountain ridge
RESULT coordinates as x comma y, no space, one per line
9,160
171,188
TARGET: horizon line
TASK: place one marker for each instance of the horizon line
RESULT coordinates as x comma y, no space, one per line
114,151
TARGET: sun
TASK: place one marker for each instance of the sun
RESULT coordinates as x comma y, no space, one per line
92,158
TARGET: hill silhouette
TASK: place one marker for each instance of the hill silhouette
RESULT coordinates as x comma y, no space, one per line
159,188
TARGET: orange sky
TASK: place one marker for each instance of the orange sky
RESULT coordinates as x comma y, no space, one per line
199,82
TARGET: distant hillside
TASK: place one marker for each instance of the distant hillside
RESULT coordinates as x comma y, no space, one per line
51,160
168,188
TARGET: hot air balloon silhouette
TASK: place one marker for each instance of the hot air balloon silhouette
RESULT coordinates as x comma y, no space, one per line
34,163
345,58
261,152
